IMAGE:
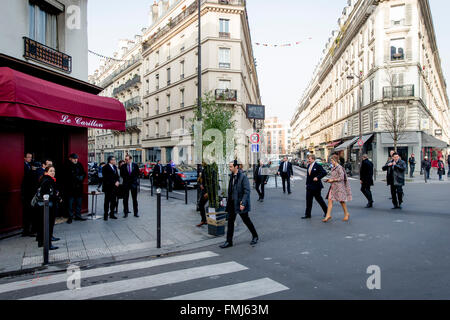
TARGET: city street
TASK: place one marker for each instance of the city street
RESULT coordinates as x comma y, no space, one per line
295,259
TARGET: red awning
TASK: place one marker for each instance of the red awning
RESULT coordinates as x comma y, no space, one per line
27,97
332,145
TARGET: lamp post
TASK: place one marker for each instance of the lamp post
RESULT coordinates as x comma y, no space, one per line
351,77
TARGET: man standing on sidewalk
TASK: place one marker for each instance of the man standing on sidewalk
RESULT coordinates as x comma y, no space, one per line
426,165
412,165
260,180
238,202
315,173
366,178
396,179
130,175
28,189
110,187
73,180
286,172
157,174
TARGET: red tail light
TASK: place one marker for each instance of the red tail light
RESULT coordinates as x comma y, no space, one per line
181,175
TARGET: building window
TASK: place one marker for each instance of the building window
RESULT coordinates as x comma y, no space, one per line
182,70
168,51
224,58
182,124
372,90
397,49
224,28
398,15
182,97
157,106
157,59
168,127
157,82
168,76
168,102
43,26
157,129
224,84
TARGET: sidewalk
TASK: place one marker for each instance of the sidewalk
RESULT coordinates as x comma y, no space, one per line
99,241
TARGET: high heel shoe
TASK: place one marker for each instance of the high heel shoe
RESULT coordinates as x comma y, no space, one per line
326,219
346,218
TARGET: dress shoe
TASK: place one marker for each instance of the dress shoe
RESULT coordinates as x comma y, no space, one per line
395,208
254,241
226,245
105,218
306,217
80,219
289,192
52,247
136,215
69,221
201,224
125,215
113,217
54,239
262,200
369,205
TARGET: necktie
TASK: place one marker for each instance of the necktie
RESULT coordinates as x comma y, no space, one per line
129,168
259,171
285,167
310,168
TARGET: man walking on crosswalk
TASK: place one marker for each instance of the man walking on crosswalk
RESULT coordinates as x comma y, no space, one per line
238,202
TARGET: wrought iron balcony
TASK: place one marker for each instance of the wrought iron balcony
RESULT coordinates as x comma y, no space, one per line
398,91
111,78
133,103
133,123
225,35
226,94
130,83
39,52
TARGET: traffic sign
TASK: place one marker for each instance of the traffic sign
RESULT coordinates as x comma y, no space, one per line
255,138
255,148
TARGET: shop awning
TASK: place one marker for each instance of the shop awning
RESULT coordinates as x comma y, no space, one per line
364,139
24,96
334,144
405,138
346,144
432,142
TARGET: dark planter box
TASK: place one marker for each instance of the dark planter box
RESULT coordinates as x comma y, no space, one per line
216,230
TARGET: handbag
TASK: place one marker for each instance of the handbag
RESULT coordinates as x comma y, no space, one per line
38,199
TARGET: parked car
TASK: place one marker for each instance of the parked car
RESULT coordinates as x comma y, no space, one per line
185,174
303,163
146,169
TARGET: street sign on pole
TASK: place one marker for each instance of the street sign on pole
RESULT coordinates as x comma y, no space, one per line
255,148
256,112
255,138
360,143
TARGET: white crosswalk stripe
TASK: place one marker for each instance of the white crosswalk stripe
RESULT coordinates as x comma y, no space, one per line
124,286
240,291
148,280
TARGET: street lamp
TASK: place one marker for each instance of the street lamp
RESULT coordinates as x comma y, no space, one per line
352,77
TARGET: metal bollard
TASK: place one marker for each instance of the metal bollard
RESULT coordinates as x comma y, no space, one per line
276,183
185,193
158,218
151,186
167,189
46,228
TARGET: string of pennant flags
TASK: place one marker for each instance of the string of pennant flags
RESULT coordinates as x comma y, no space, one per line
104,57
290,44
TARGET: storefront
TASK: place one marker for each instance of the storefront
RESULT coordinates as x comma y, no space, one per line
47,120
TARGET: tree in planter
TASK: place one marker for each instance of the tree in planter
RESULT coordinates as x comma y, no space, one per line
218,118
394,116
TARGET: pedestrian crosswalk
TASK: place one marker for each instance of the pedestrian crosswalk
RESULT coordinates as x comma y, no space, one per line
53,287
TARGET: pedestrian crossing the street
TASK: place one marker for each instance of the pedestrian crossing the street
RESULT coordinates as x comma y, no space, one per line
54,287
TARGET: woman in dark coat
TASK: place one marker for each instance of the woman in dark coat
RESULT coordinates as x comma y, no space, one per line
441,168
47,185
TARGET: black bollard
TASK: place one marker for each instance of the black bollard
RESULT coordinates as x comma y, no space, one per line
46,228
167,188
185,193
151,185
158,218
276,183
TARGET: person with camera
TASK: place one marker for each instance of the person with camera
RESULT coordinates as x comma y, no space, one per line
74,178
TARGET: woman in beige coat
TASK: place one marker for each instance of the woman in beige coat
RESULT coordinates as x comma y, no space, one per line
339,190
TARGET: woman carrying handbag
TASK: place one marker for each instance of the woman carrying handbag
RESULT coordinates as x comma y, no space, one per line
339,190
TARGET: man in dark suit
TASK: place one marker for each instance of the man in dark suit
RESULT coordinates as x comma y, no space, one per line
260,180
110,187
396,179
130,175
366,179
157,173
314,174
238,201
286,172
28,190
170,171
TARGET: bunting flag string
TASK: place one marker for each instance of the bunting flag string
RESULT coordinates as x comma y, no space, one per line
291,44
105,57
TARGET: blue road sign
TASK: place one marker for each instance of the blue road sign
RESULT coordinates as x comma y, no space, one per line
255,148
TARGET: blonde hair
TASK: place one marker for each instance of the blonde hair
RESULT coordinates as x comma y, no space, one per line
335,158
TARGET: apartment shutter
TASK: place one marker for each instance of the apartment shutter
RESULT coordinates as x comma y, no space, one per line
387,51
408,48
387,17
408,15
400,79
395,79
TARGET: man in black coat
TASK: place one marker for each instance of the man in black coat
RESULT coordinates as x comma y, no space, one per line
286,172
238,201
260,180
426,165
314,174
366,179
73,179
157,173
396,179
203,195
170,171
412,165
110,187
28,190
130,175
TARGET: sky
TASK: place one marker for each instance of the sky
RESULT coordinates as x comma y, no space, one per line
283,73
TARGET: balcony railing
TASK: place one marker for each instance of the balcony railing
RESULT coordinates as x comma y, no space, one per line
135,102
130,83
133,123
39,52
398,91
127,64
226,94
225,35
